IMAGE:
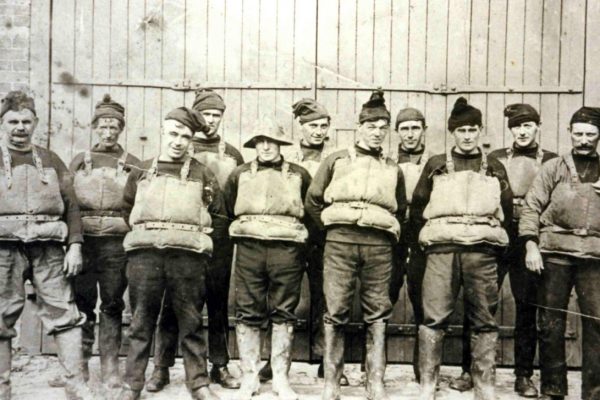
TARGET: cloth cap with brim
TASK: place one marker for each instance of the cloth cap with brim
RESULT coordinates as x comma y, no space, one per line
409,114
587,115
17,101
108,108
266,128
307,110
519,113
206,99
374,109
190,118
463,114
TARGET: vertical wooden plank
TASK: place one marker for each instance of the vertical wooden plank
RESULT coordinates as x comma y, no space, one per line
136,131
417,49
550,75
215,40
285,71
250,69
196,25
592,78
532,57
230,127
478,66
347,102
118,58
174,41
39,70
382,58
399,65
267,55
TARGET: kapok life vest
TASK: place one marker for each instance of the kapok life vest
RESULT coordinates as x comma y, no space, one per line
571,222
464,208
362,192
220,163
169,212
521,173
269,205
31,206
100,195
311,165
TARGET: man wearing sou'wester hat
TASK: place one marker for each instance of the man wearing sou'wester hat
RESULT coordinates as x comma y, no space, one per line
560,226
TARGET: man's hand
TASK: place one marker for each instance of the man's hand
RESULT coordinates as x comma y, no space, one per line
73,260
533,258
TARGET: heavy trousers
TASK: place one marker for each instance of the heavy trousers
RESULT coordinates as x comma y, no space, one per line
182,275
218,276
557,282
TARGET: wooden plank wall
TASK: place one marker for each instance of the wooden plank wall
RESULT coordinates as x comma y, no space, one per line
253,51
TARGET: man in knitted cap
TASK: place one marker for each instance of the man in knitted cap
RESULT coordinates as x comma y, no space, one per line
357,199
38,216
221,158
559,225
175,204
463,203
412,157
265,199
99,179
522,161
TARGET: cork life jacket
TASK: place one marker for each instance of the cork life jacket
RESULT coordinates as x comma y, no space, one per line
169,212
464,208
521,173
362,192
412,173
220,163
311,165
100,195
269,205
31,206
571,222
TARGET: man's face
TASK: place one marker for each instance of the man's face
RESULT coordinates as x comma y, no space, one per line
266,150
584,137
17,128
411,134
108,131
466,138
176,139
524,135
213,120
371,134
315,132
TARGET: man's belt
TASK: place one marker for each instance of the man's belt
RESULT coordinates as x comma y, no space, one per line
30,217
284,220
170,225
101,213
467,220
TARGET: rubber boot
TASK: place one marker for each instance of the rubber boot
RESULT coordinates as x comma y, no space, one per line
248,341
375,361
431,344
483,367
282,337
333,361
158,380
109,345
5,365
266,372
70,355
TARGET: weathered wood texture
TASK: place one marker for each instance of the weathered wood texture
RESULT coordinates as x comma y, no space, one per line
262,55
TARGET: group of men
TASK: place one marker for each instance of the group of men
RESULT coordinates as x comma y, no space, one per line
166,228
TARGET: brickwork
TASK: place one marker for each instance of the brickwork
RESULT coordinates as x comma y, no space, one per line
14,45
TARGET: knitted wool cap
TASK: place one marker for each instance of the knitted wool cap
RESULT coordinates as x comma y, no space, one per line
190,118
108,108
463,114
206,99
519,113
409,114
588,115
17,101
374,109
307,110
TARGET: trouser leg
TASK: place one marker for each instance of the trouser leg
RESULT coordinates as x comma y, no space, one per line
5,365
314,270
85,287
284,280
415,270
165,338
397,271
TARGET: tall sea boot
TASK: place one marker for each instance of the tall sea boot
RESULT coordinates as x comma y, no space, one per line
5,365
375,361
431,344
248,341
109,345
483,367
333,361
282,338
70,355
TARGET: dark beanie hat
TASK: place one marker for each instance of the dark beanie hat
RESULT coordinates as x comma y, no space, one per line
409,114
307,110
206,99
108,108
463,114
190,118
519,113
374,109
588,115
17,101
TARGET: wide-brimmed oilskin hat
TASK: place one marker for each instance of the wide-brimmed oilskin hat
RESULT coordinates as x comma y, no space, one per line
267,128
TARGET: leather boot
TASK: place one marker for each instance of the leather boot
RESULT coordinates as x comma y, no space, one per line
70,355
128,393
525,387
248,341
109,345
158,380
204,393
266,373
463,383
333,361
5,365
282,338
483,367
375,361
431,344
220,374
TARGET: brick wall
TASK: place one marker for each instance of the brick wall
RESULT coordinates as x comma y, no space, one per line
14,45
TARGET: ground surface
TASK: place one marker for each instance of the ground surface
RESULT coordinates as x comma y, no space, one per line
31,374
